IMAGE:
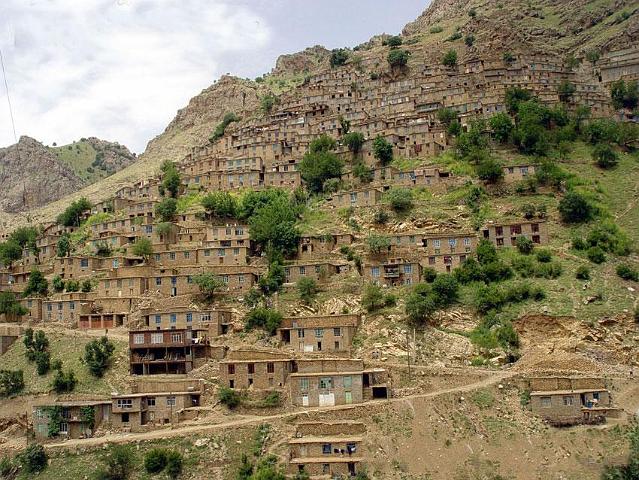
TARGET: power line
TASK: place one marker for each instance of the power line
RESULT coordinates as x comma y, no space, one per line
6,86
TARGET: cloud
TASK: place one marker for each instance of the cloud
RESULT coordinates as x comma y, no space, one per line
118,69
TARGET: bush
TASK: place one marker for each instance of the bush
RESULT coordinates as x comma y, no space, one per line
37,284
9,305
64,382
174,463
57,284
221,127
97,355
502,126
317,168
583,273
72,216
566,90
208,283
525,245
63,246
6,467
400,199
11,382
373,298
10,251
605,156
33,458
378,243
229,397
398,58
267,102
596,255
450,59
142,247
627,272
394,41
171,179
119,463
544,255
307,289
469,40
575,208
361,171
549,270
425,298
436,29
486,252
490,171
339,56
469,271
382,150
273,280
155,460
165,210
264,318
446,115
380,217
220,205
429,274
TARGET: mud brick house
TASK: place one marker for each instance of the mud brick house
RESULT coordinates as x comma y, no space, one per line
365,197
517,173
154,404
70,419
318,271
223,255
444,263
327,449
34,306
101,321
392,272
505,234
329,333
67,307
183,257
570,401
167,351
257,369
335,381
216,321
8,335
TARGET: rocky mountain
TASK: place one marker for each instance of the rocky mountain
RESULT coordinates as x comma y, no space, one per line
36,175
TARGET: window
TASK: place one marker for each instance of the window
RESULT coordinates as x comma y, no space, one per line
187,254
546,401
173,280
170,401
176,337
319,332
534,227
327,448
302,270
157,338
125,403
452,242
515,230
431,260
64,427
71,305
270,367
499,231
408,269
348,382
173,318
158,319
49,307
125,417
337,332
568,401
189,279
437,243
467,242
251,368
236,251
84,262
326,382
221,252
158,257
231,367
207,253
138,338
225,279
240,278
158,281
189,317
300,333
303,384
375,272
150,401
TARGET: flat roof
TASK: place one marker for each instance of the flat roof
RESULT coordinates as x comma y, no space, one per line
326,459
72,403
567,392
154,394
312,439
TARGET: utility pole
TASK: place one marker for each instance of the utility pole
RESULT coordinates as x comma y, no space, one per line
408,353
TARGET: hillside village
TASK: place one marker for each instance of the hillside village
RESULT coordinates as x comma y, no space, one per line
396,249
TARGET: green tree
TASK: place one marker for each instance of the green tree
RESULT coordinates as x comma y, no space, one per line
624,94
354,141
264,318
220,205
307,289
486,252
339,57
400,199
398,58
26,237
469,40
208,283
63,247
490,171
57,284
37,284
103,249
525,245
267,102
274,279
86,286
273,225
33,458
171,179
155,460
363,172
378,243
394,41
72,285
174,462
593,55
142,247
373,298
421,303
566,90
575,208
97,356
119,463
229,118
446,115
317,168
515,96
10,306
64,382
605,156
72,216
229,397
450,59
11,382
10,251
165,210
382,150
323,143
502,126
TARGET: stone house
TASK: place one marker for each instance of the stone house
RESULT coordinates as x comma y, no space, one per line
445,263
34,306
101,321
570,401
327,449
517,173
73,419
392,272
329,333
66,307
8,335
170,351
335,381
154,404
318,271
256,369
505,234
216,321
365,197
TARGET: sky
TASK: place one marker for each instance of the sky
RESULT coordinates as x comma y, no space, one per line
120,69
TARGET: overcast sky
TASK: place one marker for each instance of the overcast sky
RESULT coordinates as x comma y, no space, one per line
120,69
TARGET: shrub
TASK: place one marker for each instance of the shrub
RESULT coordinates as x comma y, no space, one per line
273,280
394,41
583,273
339,56
72,216
361,171
63,246
11,382
596,255
208,283
605,156
6,467
400,199
102,249
64,382
166,209
155,460
10,251
317,168
229,397
380,217
373,298
496,271
33,458
221,127
382,150
450,59
354,141
627,272
174,461
566,90
490,171
118,463
57,284
575,208
548,270
446,115
307,289
436,29
508,57
445,286
220,205
86,286
456,35
421,303
264,318
171,179
469,40
97,355
142,247
502,126
525,245
398,58
37,284
378,243
543,255
486,252
9,305
267,102
624,95
469,271
429,274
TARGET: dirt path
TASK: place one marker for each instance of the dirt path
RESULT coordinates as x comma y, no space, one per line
250,420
